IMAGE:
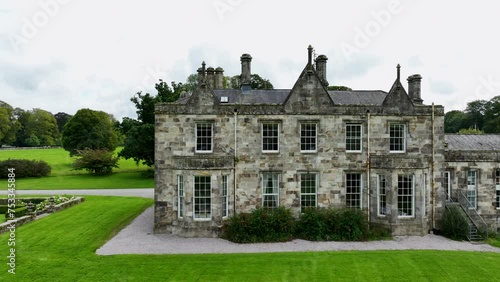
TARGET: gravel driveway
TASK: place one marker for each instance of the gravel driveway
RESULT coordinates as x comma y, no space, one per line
138,238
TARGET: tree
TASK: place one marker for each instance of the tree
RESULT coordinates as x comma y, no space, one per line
338,88
139,141
492,115
454,121
8,124
475,114
96,161
62,118
89,129
37,128
256,82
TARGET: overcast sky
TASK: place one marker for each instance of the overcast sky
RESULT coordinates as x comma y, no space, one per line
64,55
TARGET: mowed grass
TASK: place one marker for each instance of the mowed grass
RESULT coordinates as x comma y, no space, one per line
61,247
128,175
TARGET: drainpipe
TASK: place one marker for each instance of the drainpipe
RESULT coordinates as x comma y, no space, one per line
433,192
368,160
235,158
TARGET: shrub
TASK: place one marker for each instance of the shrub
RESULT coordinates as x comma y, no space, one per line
96,161
378,231
455,225
352,225
24,168
261,225
18,212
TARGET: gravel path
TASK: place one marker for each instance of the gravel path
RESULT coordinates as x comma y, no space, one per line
138,238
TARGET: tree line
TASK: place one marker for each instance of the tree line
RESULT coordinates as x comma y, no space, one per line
480,116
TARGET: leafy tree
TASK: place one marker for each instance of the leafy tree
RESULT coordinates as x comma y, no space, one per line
256,82
338,88
470,131
454,121
37,128
475,114
96,161
8,124
89,129
62,118
139,141
492,115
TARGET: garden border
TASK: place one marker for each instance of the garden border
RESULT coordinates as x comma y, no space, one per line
4,227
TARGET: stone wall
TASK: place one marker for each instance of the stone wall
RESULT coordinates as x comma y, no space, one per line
175,153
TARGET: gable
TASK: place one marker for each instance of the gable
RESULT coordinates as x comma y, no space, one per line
398,101
308,95
202,101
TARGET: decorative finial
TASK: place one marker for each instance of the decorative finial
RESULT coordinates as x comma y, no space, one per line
399,71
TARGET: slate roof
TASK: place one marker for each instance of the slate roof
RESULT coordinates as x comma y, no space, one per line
472,142
278,96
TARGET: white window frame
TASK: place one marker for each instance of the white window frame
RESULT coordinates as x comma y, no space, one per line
447,185
348,202
207,215
393,138
472,188
359,139
406,197
304,179
497,186
274,194
277,137
381,195
308,137
198,139
180,196
225,198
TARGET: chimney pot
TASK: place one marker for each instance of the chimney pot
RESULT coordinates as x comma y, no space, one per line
219,78
210,77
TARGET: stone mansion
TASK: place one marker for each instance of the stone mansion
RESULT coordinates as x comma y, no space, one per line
224,151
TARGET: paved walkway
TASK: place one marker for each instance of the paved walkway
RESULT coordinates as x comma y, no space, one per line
134,192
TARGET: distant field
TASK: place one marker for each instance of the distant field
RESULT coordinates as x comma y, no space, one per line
128,175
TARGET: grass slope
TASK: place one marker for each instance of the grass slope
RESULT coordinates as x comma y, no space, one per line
61,247
64,177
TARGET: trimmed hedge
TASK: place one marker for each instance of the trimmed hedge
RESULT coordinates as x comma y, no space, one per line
314,224
261,225
24,168
18,212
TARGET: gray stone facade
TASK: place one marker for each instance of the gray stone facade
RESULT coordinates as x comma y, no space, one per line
223,151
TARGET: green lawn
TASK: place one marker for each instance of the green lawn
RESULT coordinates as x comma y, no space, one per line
64,177
61,247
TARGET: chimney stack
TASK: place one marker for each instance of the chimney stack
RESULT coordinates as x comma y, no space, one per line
414,88
210,77
321,68
309,58
201,74
245,78
219,78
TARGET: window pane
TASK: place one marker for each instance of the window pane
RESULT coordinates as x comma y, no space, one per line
353,190
353,137
382,200
203,137
308,190
270,137
202,197
405,195
225,198
397,137
270,190
180,196
308,137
